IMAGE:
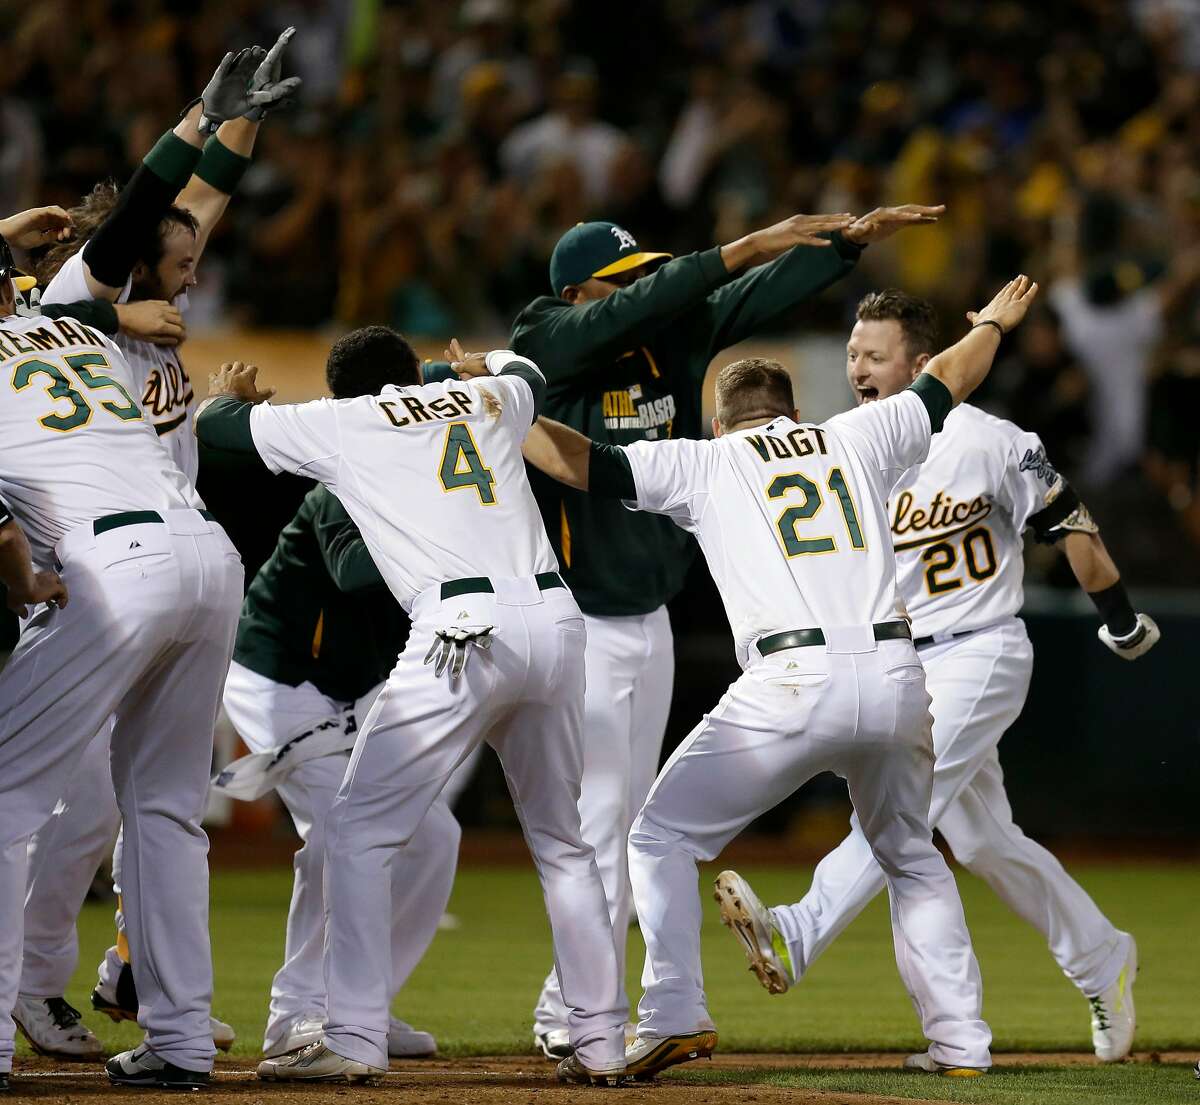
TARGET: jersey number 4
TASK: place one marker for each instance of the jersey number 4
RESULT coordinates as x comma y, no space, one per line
786,523
62,387
462,466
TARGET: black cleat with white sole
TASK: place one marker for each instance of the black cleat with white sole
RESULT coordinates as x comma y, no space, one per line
141,1067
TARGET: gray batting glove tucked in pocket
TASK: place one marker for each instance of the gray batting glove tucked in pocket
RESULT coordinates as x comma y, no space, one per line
451,647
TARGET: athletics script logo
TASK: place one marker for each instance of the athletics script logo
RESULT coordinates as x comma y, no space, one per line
1036,462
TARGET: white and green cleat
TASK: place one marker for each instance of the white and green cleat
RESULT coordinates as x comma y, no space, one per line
923,1061
1113,1020
750,921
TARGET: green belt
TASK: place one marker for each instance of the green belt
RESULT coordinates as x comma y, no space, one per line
134,518
481,585
801,638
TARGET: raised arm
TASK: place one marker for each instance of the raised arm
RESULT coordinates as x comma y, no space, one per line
965,365
578,461
798,271
227,153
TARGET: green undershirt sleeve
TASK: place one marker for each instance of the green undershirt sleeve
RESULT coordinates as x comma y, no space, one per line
225,424
610,475
936,397
99,314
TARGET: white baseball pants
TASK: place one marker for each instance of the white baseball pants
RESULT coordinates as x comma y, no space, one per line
858,708
524,696
146,637
630,664
266,715
978,685
64,855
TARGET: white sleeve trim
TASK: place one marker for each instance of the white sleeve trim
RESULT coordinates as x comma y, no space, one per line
499,359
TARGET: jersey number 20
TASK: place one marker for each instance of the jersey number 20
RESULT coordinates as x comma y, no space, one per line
786,523
62,387
462,466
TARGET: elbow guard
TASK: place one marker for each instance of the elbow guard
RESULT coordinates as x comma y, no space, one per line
1063,513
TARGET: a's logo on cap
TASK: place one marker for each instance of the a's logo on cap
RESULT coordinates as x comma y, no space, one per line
625,240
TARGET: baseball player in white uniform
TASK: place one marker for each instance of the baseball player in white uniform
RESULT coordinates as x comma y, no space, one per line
154,258
432,476
155,585
318,635
957,522
792,519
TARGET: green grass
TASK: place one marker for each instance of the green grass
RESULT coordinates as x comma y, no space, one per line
476,988
1127,1084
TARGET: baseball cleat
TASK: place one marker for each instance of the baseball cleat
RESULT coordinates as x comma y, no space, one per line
316,1063
750,921
406,1042
120,1003
648,1056
53,1027
572,1071
926,1062
300,1033
5,1087
1113,1020
141,1067
554,1043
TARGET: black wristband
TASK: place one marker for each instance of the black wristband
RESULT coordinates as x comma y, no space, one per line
990,322
1116,611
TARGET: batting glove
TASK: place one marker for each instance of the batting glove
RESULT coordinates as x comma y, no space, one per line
266,80
451,647
1136,643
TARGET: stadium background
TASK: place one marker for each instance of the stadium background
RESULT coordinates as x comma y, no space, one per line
439,149
438,152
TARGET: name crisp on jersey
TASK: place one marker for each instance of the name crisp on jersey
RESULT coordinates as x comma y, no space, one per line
622,411
454,404
942,517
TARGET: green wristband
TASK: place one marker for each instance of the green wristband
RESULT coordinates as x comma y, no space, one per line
221,167
172,160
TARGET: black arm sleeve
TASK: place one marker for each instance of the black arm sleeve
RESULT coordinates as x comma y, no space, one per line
1061,507
936,397
609,473
225,424
99,314
531,376
124,236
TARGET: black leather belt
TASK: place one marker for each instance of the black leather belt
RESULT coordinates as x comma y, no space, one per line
921,642
802,638
477,585
135,518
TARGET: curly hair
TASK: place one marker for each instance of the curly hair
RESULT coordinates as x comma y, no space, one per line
916,317
365,361
88,216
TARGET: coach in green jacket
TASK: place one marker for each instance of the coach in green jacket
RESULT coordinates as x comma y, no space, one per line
625,342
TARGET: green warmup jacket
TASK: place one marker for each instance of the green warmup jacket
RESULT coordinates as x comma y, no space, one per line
631,366
318,610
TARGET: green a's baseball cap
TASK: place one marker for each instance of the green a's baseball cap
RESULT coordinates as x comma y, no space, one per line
595,249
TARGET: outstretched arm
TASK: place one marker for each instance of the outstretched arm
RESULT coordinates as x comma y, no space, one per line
965,365
578,461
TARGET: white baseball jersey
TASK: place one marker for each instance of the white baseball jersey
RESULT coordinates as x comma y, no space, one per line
792,518
957,521
70,386
431,474
163,387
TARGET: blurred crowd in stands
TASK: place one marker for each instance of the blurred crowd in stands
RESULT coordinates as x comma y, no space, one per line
441,147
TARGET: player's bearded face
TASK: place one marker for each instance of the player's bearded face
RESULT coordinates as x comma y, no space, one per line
877,360
175,271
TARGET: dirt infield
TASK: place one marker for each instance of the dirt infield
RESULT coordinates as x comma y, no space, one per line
504,1080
